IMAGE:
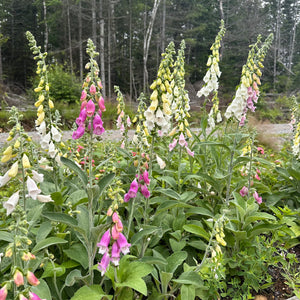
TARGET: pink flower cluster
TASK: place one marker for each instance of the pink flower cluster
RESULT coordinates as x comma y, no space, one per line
88,109
143,184
244,192
253,94
183,143
119,245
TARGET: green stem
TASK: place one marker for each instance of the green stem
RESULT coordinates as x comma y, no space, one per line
179,169
151,155
130,216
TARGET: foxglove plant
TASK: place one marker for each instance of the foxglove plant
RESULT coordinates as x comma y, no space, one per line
248,92
295,125
211,83
123,120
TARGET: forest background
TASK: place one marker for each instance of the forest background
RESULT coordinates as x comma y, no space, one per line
130,50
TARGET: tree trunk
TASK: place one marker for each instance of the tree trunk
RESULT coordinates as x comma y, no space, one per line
277,41
1,68
109,49
130,51
293,39
94,22
80,41
46,26
101,50
163,29
69,36
147,40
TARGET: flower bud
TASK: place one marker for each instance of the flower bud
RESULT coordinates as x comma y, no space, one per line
18,278
32,279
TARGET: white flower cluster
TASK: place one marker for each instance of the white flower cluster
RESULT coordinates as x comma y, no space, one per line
48,138
238,104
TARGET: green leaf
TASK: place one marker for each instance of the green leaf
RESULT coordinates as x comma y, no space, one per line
42,290
187,292
135,283
177,246
150,260
170,193
168,204
199,211
77,196
169,180
187,196
93,292
44,230
105,181
71,165
78,253
258,216
145,232
72,277
6,236
165,278
196,229
61,218
126,293
48,242
50,270
175,260
58,198
198,244
190,277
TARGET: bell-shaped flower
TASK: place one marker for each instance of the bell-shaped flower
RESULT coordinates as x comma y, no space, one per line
160,162
101,104
93,89
128,121
18,278
181,141
145,191
21,297
83,95
4,179
11,203
32,279
32,188
172,145
78,133
33,296
104,242
133,189
146,177
189,151
115,254
103,265
56,135
51,150
119,226
37,177
45,141
13,170
123,244
257,198
81,118
44,198
25,161
244,191
3,293
126,197
115,233
98,125
90,108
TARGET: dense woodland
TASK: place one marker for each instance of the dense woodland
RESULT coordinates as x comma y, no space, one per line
131,35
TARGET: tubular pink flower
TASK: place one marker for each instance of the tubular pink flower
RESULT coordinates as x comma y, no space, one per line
103,265
182,142
81,118
128,121
126,197
3,293
101,104
257,198
188,150
119,226
98,128
146,177
83,95
257,176
123,244
18,278
145,191
115,233
93,89
21,297
133,189
83,105
115,254
244,191
115,217
172,145
33,296
104,242
78,133
90,108
260,150
32,279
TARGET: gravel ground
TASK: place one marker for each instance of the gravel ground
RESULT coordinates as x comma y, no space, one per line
277,133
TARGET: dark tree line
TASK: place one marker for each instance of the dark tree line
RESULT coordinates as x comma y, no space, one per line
131,35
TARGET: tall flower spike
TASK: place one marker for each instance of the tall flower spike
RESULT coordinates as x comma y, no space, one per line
295,126
159,112
247,91
92,101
